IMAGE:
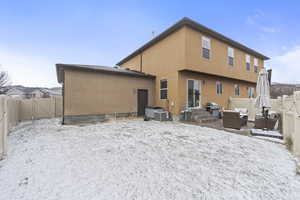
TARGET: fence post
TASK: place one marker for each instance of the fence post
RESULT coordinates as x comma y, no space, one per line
3,127
53,104
5,124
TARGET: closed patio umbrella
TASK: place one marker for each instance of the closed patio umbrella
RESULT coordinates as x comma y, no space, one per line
263,91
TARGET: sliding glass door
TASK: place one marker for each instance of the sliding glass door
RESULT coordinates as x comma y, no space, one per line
194,88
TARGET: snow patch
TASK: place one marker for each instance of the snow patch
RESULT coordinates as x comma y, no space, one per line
135,159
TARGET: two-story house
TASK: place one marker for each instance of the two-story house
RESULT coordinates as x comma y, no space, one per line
194,65
187,65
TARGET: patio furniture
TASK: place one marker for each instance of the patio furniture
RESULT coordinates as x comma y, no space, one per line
243,114
262,122
233,119
213,108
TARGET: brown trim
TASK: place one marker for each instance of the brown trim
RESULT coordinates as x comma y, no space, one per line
216,76
61,67
198,27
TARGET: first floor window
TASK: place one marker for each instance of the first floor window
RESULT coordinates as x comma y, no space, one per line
236,90
163,89
219,88
251,92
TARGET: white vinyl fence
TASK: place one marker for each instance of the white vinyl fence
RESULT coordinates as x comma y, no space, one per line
13,110
288,107
9,117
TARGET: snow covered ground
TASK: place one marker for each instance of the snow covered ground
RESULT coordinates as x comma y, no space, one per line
143,160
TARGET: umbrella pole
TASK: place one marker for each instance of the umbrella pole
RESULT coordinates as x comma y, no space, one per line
265,117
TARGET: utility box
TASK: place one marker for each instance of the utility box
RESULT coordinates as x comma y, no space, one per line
161,116
149,111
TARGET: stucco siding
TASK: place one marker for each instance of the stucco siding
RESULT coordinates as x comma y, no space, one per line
134,63
92,93
208,89
218,63
182,50
162,60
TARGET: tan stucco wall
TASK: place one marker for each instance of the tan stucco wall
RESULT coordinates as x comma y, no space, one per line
134,63
208,89
89,93
182,50
161,60
218,63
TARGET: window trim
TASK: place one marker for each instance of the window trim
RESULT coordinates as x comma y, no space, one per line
239,91
160,89
209,48
187,92
246,57
256,65
255,69
230,56
249,92
228,61
219,82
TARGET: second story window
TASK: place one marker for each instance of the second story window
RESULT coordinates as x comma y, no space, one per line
236,90
230,56
164,89
255,65
248,63
206,47
219,88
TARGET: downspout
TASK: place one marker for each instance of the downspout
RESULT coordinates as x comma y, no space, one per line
141,63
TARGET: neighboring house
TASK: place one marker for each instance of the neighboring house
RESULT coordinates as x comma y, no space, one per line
30,92
25,93
14,92
192,64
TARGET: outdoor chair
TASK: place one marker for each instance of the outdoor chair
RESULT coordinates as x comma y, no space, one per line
232,119
243,115
263,123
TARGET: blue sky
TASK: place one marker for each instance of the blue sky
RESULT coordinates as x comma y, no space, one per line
34,35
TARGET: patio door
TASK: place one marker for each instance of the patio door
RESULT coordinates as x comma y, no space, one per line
193,93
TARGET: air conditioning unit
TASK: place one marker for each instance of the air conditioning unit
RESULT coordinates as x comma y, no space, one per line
149,111
161,116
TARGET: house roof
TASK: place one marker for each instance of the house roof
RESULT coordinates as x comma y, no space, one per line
115,70
199,27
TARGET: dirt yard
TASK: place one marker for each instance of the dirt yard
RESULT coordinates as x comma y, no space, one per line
143,160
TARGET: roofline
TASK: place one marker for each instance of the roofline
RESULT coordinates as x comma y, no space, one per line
61,67
216,75
196,26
